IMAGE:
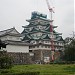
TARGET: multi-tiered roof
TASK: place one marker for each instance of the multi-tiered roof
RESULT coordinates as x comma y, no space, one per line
39,28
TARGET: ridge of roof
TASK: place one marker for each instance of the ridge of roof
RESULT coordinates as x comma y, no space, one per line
7,31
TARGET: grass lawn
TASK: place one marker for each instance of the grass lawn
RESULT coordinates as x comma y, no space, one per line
52,69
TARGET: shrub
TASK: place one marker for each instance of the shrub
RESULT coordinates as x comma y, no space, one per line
26,73
5,62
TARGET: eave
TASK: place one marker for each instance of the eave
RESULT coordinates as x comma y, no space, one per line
55,26
17,43
11,35
32,20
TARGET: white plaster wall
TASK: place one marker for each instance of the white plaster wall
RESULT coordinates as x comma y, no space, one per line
16,48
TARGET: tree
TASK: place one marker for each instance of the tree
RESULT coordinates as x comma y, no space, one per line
69,52
5,60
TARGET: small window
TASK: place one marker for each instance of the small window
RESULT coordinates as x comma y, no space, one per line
30,50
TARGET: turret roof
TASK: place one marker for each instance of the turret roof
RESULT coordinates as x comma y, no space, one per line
11,31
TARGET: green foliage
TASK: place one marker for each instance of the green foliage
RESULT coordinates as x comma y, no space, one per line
5,60
6,72
70,51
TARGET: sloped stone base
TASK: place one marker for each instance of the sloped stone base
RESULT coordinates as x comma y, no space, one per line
44,56
40,55
20,58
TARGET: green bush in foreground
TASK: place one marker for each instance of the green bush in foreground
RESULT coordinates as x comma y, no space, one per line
5,62
26,73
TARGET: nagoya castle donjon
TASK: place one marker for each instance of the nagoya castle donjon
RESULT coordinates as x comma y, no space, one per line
38,34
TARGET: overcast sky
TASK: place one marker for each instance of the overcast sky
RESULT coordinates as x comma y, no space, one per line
13,13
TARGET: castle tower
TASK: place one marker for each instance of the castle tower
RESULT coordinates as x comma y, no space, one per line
38,34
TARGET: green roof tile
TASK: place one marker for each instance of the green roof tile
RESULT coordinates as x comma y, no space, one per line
59,38
27,37
24,31
46,37
33,30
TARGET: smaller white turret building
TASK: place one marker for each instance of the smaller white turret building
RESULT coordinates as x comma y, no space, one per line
16,48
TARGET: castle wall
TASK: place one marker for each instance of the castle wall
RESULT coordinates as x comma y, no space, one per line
42,56
20,58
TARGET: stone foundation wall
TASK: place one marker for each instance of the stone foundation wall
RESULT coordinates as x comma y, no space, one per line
44,56
20,58
40,54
